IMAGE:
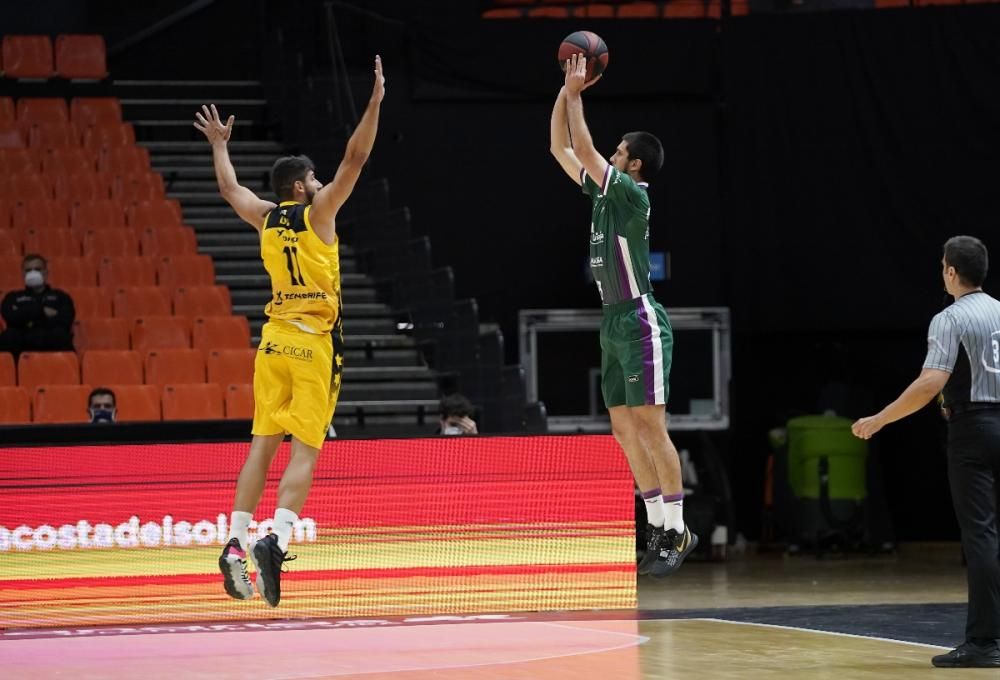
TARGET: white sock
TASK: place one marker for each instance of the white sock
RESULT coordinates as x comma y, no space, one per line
284,522
654,509
239,523
673,512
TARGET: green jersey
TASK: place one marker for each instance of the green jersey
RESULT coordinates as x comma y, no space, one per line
619,236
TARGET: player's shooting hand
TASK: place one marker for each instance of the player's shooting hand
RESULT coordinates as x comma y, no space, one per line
865,428
378,91
576,74
210,125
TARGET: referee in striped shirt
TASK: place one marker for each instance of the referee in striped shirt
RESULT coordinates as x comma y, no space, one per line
963,363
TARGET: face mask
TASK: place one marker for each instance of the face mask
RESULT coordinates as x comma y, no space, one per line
33,278
102,415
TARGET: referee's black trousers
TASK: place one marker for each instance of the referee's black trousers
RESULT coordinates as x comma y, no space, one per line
973,472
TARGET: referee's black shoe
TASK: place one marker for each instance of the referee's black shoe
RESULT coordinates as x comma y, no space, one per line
985,654
674,548
269,557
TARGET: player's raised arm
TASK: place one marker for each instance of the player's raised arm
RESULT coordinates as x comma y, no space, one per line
330,198
583,145
560,145
250,207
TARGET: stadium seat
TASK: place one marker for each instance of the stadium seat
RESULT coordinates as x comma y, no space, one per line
7,112
168,241
639,10
136,403
67,161
175,366
157,332
15,406
47,368
36,187
41,215
221,332
103,214
111,243
230,366
72,271
136,301
684,9
11,276
594,11
90,334
81,57
19,161
8,373
122,160
123,271
44,136
158,214
548,13
195,301
108,135
106,366
5,216
90,302
503,13
239,401
11,137
193,402
87,111
81,188
27,56
186,270
134,188
36,110
62,404
10,243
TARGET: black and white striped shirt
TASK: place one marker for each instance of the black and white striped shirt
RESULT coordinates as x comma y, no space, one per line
964,340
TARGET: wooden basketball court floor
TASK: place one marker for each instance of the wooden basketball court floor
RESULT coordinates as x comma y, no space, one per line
753,617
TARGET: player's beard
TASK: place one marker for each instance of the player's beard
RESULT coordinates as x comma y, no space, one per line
310,194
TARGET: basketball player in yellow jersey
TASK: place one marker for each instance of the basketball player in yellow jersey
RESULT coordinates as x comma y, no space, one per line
300,359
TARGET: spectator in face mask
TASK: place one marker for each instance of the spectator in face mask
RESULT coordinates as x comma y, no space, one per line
39,318
456,416
102,406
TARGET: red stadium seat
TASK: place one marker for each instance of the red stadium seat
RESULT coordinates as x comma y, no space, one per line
639,10
62,404
11,137
72,271
101,214
7,112
231,366
239,401
87,111
90,302
175,271
10,243
136,403
193,402
45,136
40,214
15,406
81,188
134,188
175,366
36,110
158,214
68,161
122,160
47,368
27,188
141,301
104,367
110,243
157,332
108,135
91,334
81,57
52,242
127,270
19,161
221,332
195,301
8,371
169,241
27,56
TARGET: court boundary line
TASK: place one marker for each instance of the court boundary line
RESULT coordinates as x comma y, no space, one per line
816,630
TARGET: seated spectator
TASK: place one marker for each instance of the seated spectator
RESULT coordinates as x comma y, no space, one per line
456,416
39,318
102,406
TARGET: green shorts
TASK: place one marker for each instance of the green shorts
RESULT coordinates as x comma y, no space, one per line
637,346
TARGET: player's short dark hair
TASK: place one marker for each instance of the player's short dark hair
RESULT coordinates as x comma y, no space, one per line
99,391
455,405
969,257
34,256
286,171
647,148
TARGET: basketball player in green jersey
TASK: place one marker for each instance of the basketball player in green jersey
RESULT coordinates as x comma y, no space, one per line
636,338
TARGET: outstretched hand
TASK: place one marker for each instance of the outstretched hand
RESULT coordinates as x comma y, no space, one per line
210,125
865,428
576,74
378,91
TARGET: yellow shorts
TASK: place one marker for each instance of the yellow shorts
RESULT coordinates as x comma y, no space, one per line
296,383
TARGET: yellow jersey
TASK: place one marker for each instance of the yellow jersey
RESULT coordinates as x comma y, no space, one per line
304,271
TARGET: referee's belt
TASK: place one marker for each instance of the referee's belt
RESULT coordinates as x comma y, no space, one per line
968,406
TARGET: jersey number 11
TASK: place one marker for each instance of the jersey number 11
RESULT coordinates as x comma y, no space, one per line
292,260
